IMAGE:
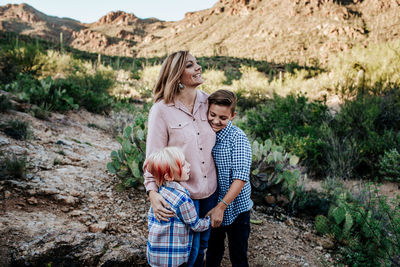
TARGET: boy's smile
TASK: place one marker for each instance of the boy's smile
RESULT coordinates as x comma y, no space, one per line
219,116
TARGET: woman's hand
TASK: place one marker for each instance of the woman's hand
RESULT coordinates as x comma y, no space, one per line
161,208
217,215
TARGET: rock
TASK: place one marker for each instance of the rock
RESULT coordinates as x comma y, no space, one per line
7,194
270,199
326,243
76,213
4,141
98,227
32,201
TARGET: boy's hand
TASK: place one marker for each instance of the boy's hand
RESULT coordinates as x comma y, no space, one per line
216,215
161,208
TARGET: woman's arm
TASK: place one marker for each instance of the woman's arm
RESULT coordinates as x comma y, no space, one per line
217,213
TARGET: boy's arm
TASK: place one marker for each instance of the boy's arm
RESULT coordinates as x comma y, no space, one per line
217,213
241,162
187,213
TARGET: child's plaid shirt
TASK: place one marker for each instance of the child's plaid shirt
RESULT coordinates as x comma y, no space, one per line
169,243
232,157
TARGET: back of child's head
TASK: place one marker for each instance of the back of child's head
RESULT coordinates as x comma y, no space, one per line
223,97
168,160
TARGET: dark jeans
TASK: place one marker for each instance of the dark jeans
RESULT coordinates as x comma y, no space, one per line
238,235
200,240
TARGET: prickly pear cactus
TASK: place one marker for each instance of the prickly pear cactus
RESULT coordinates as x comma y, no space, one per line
126,163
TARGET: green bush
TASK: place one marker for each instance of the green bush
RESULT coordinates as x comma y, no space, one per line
89,91
389,165
17,129
41,92
372,124
23,59
293,122
42,111
5,103
127,162
12,166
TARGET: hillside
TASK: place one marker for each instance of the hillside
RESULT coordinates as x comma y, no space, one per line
304,31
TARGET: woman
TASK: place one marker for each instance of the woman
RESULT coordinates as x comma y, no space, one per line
179,118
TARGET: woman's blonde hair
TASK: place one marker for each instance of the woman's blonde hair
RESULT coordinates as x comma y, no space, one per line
168,160
167,86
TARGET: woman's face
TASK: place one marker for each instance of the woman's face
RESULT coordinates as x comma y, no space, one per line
191,76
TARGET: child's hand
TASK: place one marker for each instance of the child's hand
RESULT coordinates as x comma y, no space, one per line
217,215
161,208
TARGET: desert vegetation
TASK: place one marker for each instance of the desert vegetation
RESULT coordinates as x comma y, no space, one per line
331,123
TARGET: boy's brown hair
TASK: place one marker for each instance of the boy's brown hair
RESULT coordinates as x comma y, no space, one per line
223,97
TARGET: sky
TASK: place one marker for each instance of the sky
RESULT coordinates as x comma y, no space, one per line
88,11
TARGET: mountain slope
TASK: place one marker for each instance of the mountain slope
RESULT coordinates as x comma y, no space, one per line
303,31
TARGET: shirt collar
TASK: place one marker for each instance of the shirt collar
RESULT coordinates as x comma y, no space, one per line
200,98
224,132
177,186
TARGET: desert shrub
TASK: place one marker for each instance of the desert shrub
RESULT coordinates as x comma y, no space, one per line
57,64
12,166
41,111
365,227
293,122
127,162
17,129
89,90
24,58
5,103
389,165
368,122
41,92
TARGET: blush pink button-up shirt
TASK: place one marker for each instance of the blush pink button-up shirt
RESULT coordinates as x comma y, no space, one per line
173,125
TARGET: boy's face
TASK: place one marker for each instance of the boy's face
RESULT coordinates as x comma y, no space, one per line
185,173
219,116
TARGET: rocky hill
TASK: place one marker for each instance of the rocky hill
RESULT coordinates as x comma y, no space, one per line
275,30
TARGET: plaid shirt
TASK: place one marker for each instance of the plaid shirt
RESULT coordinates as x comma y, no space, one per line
169,243
232,156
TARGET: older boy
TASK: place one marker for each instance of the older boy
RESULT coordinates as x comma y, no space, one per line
232,156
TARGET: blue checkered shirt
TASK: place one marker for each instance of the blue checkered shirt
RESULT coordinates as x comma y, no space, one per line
169,243
232,156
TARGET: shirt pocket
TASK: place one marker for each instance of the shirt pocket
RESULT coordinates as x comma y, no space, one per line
178,133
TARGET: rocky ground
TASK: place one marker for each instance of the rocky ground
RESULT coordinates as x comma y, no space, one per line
67,211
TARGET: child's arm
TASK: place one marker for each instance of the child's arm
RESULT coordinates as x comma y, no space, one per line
187,213
241,162
217,213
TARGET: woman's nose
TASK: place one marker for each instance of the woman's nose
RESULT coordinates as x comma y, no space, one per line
198,67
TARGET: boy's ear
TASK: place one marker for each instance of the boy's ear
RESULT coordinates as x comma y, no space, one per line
233,115
168,178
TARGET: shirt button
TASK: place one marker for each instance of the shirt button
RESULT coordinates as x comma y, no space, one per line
198,133
194,119
205,176
201,148
203,162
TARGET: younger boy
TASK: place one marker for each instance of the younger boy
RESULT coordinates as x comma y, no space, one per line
232,156
169,243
